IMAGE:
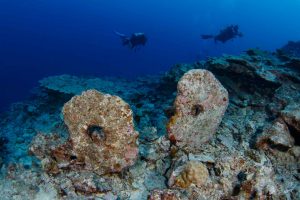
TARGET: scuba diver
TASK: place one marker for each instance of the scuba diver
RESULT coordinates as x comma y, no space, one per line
135,40
225,34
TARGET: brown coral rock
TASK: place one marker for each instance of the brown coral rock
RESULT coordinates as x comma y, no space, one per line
291,115
277,136
102,135
164,195
200,105
192,173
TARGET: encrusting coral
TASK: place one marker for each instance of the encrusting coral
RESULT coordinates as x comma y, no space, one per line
191,173
102,136
200,105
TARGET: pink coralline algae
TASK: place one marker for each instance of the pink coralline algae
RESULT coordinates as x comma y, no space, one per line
102,136
200,105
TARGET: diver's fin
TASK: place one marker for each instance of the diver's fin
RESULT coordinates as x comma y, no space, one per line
120,34
124,38
205,37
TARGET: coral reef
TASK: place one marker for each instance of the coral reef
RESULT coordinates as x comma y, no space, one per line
102,136
74,85
292,48
199,107
254,152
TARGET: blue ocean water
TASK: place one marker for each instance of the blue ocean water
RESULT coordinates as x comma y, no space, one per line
40,38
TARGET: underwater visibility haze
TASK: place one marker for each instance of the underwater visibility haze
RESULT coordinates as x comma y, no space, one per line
160,99
41,38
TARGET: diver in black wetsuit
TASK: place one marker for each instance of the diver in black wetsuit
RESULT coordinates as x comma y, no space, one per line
225,34
135,40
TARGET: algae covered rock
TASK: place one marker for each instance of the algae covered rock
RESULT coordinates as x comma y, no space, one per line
64,83
200,105
74,85
191,173
165,195
291,115
277,136
102,136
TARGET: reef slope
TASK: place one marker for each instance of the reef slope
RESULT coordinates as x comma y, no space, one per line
254,153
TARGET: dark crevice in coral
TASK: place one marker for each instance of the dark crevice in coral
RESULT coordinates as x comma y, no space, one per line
254,137
248,83
297,177
236,190
278,146
295,134
211,168
165,173
197,109
217,171
62,193
253,195
95,131
294,63
242,176
3,149
73,157
54,158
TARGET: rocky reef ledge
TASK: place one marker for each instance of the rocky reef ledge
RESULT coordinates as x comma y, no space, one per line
224,128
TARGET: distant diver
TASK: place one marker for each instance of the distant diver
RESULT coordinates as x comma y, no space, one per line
228,33
135,40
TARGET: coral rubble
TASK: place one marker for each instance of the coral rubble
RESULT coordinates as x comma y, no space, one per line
191,173
90,151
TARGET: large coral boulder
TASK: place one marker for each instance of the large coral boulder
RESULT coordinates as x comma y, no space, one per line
102,136
291,115
200,105
276,135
